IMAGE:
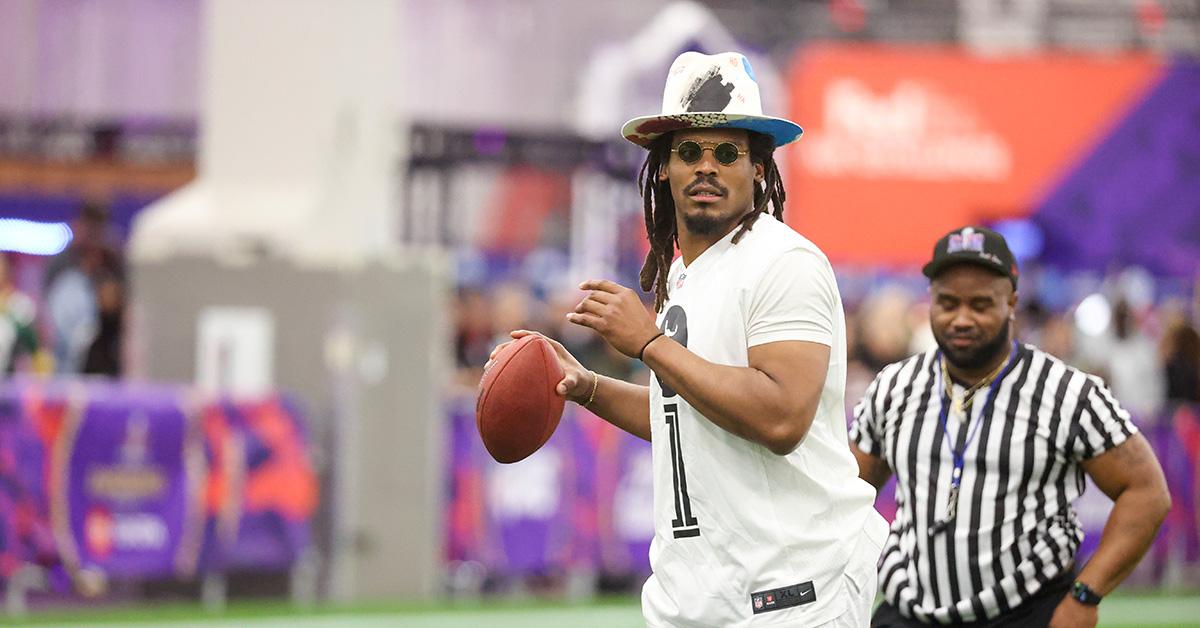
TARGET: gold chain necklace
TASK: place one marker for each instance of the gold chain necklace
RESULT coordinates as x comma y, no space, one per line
959,404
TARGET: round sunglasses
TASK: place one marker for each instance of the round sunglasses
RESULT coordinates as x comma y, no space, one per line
690,151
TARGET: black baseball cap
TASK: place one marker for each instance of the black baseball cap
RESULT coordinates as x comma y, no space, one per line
973,245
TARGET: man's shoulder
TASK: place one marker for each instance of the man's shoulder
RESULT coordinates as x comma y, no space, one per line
1075,377
769,239
773,232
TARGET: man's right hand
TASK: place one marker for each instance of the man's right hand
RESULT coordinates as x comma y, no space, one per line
577,381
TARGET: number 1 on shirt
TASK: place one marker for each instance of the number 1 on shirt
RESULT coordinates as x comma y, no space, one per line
684,524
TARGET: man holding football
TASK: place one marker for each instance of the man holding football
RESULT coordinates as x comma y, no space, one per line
760,517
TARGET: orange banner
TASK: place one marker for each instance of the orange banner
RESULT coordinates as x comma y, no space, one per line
903,144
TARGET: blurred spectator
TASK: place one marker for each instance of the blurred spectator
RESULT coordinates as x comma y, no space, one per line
18,333
921,334
890,323
1132,364
582,342
1181,349
885,328
71,317
512,305
858,374
1032,320
91,250
104,354
472,336
1058,338
70,288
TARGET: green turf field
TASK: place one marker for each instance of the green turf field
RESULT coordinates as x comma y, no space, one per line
1125,610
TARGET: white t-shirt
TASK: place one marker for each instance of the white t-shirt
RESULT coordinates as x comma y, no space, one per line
738,527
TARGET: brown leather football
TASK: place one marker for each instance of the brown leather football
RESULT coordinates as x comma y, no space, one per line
517,409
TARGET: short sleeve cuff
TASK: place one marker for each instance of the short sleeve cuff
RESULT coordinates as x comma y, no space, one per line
1117,437
819,337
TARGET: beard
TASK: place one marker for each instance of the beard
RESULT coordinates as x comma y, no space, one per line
979,356
706,224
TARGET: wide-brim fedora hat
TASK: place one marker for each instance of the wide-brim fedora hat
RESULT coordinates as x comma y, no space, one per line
710,92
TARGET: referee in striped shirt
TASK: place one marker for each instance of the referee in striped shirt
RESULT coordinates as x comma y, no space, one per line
989,440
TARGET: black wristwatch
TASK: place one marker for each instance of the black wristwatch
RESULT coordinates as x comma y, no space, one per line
1084,594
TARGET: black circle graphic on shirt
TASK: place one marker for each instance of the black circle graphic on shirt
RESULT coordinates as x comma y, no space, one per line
674,325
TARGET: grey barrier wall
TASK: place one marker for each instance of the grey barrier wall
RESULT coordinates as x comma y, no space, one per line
364,351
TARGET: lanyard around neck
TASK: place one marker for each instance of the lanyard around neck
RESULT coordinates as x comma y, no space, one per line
959,454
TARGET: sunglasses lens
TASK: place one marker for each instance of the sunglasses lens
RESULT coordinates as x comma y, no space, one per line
689,151
726,153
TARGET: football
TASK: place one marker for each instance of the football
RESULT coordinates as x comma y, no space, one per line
517,409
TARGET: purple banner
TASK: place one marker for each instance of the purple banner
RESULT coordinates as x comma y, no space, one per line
624,500
260,489
130,504
572,505
25,534
146,482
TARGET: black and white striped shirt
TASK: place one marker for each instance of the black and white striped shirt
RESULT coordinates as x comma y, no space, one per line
1015,528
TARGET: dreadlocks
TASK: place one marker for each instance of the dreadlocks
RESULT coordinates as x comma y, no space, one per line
661,229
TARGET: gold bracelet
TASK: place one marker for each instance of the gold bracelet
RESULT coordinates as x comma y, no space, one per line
595,385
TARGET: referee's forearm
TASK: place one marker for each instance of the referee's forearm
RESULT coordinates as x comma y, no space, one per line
1131,527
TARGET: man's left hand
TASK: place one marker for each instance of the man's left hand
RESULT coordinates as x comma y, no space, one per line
617,314
1071,614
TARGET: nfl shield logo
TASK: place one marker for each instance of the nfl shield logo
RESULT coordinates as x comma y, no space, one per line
679,282
758,602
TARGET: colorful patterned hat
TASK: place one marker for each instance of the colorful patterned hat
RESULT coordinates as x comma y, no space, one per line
710,91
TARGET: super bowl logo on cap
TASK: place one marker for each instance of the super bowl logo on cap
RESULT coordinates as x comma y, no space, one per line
966,240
